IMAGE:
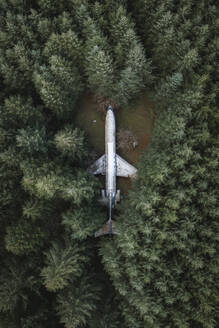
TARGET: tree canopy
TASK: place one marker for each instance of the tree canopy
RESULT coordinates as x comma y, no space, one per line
161,270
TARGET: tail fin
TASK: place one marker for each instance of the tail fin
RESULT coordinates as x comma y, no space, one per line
108,229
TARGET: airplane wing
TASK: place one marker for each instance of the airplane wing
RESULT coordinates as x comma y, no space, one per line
124,169
99,166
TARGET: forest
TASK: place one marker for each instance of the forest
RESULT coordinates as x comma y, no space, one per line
161,271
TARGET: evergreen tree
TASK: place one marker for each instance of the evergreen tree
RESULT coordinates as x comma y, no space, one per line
70,142
24,238
15,281
133,76
76,304
32,141
100,71
63,264
163,265
81,222
164,260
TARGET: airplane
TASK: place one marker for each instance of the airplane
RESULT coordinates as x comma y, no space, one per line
111,165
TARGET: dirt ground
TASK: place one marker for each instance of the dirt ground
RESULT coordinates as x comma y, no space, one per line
138,118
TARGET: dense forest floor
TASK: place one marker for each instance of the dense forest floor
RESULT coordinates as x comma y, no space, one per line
137,118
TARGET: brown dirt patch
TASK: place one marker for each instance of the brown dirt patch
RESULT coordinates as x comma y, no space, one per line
138,118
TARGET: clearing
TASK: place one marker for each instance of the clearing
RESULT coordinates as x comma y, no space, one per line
137,118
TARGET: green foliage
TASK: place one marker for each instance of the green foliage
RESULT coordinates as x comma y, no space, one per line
163,265
62,265
24,238
35,209
169,86
57,95
132,65
19,111
32,141
133,76
50,181
100,71
82,222
70,142
164,261
76,304
122,33
65,45
59,80
15,280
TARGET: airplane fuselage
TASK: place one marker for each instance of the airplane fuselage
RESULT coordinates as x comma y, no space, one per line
110,150
111,165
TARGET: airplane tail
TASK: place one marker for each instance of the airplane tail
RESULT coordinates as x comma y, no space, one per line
107,229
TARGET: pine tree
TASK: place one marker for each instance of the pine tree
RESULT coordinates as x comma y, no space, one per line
24,238
70,142
133,76
58,95
76,304
32,141
134,69
19,111
161,263
100,71
65,45
15,281
81,222
62,265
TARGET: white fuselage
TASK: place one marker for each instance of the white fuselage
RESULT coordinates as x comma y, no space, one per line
110,147
111,165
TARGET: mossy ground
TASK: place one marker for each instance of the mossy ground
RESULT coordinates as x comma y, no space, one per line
138,118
